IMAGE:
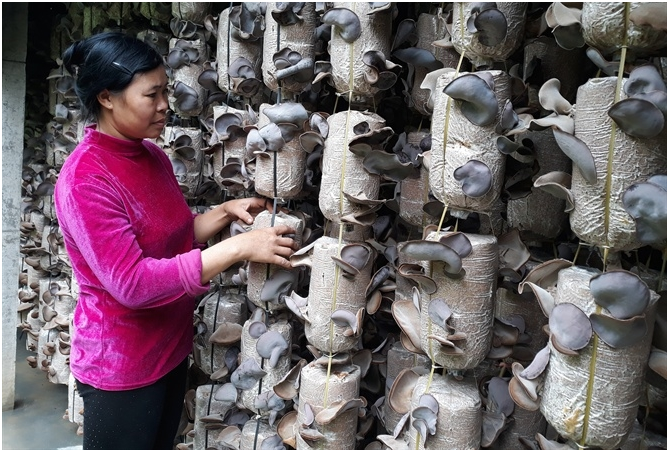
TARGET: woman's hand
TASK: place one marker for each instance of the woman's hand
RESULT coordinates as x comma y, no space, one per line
264,245
246,209
267,245
210,223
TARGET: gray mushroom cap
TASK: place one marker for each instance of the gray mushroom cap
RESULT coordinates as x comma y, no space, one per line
558,184
619,333
566,25
227,393
277,285
287,112
352,322
331,412
551,99
419,57
272,345
399,396
579,153
513,252
416,273
538,364
185,97
345,22
644,79
475,177
286,428
638,117
247,374
478,101
493,424
424,420
647,204
407,317
228,125
287,13
273,442
621,292
227,333
288,387
498,395
257,329
439,312
434,251
523,391
570,328
385,164
353,258
489,24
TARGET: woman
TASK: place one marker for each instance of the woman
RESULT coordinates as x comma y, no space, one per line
136,249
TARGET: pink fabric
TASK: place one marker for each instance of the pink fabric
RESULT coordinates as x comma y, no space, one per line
129,234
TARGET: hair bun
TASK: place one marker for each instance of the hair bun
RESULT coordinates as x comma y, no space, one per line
73,57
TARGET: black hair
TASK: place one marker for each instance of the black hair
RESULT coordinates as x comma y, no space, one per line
106,61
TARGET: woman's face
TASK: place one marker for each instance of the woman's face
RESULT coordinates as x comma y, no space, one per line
138,111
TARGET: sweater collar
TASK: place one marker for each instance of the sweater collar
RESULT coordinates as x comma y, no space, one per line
111,143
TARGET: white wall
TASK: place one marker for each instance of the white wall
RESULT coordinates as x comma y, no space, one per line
14,44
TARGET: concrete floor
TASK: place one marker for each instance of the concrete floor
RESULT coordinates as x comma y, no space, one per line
36,422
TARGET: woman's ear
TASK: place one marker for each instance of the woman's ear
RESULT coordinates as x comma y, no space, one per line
104,99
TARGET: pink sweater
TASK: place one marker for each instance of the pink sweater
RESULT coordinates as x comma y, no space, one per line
130,237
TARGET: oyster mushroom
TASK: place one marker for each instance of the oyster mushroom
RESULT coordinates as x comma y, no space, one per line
566,25
380,71
353,258
287,388
477,100
269,401
345,22
186,98
431,251
558,184
492,425
286,428
638,117
622,293
268,138
351,322
424,420
272,345
226,333
329,413
243,77
647,204
488,23
287,13
247,374
291,65
619,333
248,21
277,285
570,328
407,317
475,177
399,396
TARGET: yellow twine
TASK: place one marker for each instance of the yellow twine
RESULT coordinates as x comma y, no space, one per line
607,213
341,225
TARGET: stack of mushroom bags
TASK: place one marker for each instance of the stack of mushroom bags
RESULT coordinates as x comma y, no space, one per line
479,195
47,291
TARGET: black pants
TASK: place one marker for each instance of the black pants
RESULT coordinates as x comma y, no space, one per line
144,418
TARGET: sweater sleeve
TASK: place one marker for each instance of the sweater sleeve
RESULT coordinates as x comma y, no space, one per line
101,229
